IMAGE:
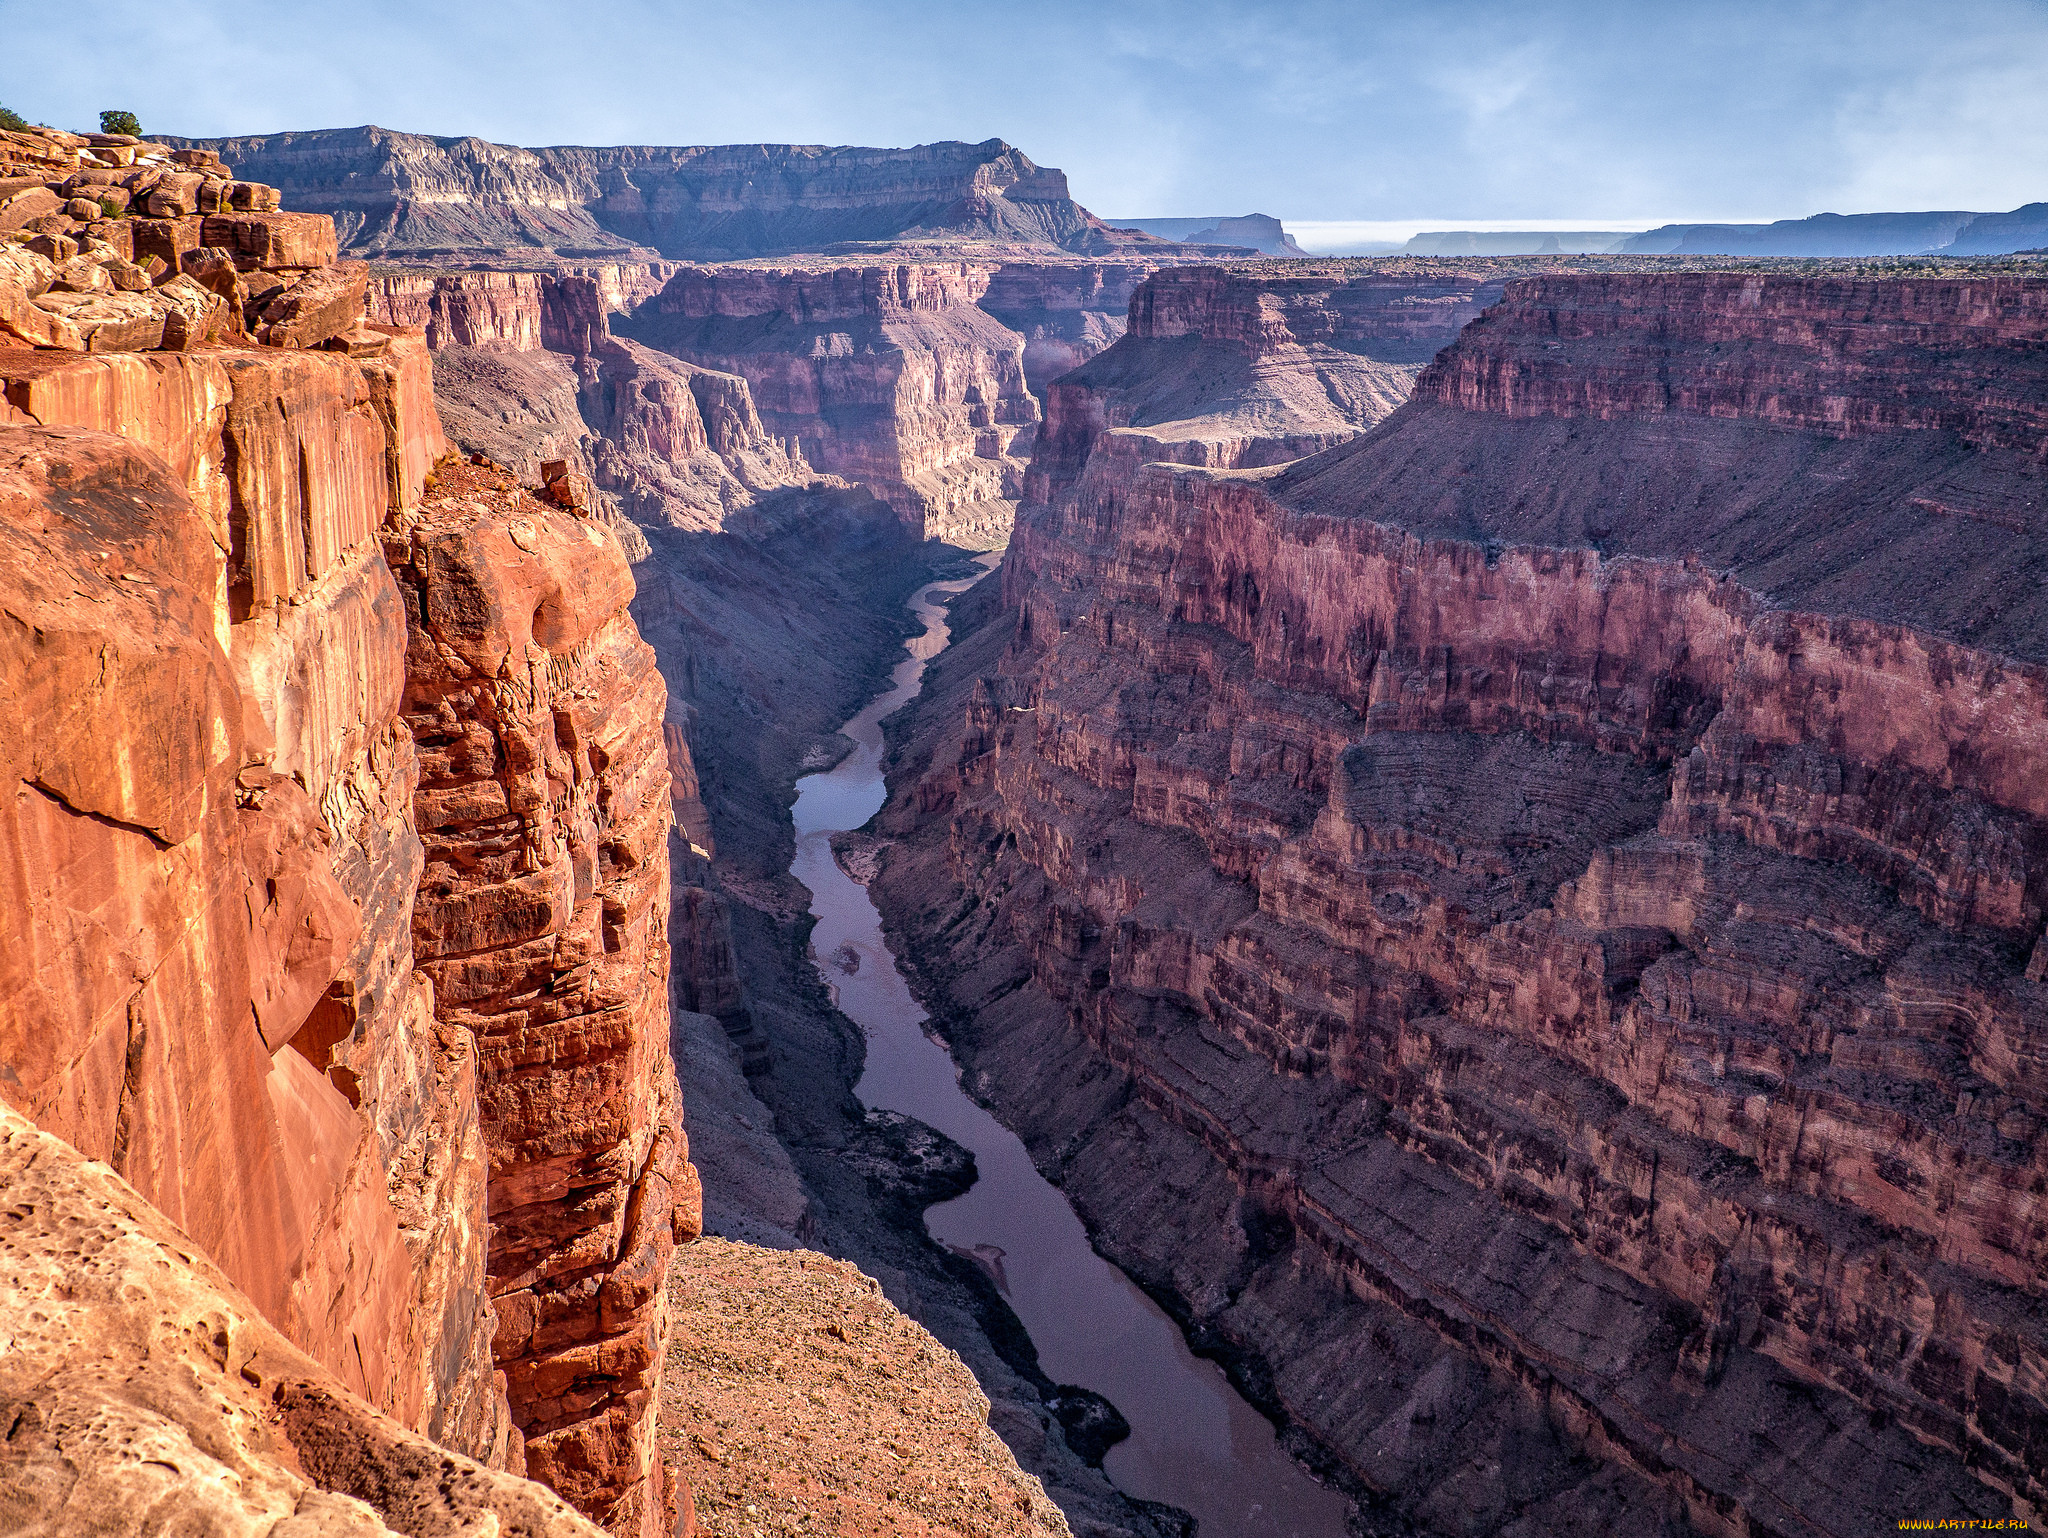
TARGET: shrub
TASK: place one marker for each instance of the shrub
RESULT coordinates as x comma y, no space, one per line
9,118
120,123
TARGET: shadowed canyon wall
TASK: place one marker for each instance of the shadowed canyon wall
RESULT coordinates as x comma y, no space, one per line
1527,924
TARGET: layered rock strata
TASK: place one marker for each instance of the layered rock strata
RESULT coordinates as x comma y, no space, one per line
411,194
889,375
213,852
115,244
1556,883
1237,366
543,809
914,379
376,1078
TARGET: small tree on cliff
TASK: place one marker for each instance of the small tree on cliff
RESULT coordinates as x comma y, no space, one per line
10,119
120,123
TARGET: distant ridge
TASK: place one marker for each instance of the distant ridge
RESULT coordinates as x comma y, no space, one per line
400,194
1261,232
1947,232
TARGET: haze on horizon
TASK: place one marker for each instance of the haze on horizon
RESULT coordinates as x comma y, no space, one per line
1578,113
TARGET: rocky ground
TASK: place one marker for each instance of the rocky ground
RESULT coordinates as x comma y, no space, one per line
801,1403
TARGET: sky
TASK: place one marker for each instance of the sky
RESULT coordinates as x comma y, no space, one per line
1575,114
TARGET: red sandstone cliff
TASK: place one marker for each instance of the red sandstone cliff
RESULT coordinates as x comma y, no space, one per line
1236,366
337,899
1564,873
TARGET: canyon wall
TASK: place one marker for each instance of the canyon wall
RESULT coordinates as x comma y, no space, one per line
912,379
890,375
338,897
1528,924
1233,366
400,194
332,807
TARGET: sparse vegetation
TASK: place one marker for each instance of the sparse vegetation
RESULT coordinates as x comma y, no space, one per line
114,122
11,119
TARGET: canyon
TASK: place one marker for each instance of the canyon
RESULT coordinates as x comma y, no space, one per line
343,1152
1547,891
1484,835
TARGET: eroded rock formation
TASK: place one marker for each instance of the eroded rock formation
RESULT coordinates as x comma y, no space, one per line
890,375
543,807
229,931
1236,366
341,1134
912,378
1557,886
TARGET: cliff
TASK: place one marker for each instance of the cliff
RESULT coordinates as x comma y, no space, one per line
145,1393
889,375
394,194
256,799
341,1142
1233,366
1260,232
1548,894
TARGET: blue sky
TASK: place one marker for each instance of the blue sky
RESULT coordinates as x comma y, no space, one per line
1582,114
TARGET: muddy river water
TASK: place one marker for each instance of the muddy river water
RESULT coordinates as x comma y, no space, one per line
1194,1442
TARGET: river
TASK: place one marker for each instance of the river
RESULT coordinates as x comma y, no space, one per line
1194,1442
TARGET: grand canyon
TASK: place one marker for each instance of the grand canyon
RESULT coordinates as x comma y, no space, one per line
1454,849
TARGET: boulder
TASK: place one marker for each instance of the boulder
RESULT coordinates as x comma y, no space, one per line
113,321
324,303
192,314
55,244
175,195
169,238
25,323
32,202
274,239
82,274
213,268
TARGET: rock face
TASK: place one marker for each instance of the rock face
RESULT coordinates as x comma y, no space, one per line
1067,312
911,379
338,900
409,194
212,830
253,853
1558,884
891,375
146,1393
1231,367
544,811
